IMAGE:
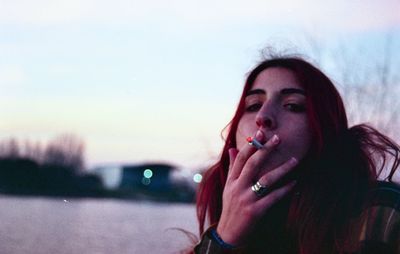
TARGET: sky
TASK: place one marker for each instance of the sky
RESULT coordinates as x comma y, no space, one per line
143,81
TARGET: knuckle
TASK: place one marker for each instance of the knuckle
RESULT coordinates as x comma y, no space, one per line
251,163
266,181
268,148
240,157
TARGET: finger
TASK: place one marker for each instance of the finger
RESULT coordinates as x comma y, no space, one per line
271,177
272,198
240,160
233,152
254,164
232,156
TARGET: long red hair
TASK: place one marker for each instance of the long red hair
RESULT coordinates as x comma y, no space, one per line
334,177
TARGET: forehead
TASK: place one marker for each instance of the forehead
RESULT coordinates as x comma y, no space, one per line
276,78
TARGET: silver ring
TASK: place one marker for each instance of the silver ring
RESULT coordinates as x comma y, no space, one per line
259,190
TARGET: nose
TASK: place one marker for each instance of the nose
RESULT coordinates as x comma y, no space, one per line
265,118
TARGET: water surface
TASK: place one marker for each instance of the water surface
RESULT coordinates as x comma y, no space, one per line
58,225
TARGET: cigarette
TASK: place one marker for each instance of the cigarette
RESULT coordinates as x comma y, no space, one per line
252,141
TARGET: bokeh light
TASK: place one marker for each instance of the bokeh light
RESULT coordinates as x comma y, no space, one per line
197,178
146,181
147,173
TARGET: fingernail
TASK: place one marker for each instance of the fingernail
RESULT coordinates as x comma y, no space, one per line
259,136
275,139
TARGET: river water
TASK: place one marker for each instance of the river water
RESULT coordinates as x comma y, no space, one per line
92,226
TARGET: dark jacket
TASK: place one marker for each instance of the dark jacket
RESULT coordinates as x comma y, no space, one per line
376,229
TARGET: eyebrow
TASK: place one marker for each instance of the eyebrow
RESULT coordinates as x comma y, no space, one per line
284,91
255,91
292,90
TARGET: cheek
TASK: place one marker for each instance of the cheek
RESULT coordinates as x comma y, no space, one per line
297,141
240,139
246,128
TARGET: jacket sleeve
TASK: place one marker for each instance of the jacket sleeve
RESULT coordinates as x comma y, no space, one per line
377,229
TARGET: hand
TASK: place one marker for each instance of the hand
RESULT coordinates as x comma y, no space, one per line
241,207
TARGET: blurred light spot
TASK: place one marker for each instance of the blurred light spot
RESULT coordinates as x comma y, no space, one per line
65,201
148,173
146,181
197,178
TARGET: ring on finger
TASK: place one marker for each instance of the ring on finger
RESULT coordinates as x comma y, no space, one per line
259,189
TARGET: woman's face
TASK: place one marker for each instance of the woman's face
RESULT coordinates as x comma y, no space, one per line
276,105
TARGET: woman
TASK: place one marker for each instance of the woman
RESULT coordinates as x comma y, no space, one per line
308,183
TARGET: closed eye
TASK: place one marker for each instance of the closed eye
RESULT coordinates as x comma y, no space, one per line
297,108
253,107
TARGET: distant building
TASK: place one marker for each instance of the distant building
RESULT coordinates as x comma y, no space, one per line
111,176
157,180
155,177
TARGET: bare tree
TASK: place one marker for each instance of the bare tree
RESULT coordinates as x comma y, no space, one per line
10,149
373,97
65,150
33,151
370,86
